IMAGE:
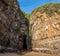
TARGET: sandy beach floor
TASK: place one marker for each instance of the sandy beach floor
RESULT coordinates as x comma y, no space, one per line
27,54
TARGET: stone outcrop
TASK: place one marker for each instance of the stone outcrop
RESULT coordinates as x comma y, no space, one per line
13,24
45,28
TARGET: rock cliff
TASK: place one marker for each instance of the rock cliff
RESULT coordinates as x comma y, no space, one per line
13,24
45,27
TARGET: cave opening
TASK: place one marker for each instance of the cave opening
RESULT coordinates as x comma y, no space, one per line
24,42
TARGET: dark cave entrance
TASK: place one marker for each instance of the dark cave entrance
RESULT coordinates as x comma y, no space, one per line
24,42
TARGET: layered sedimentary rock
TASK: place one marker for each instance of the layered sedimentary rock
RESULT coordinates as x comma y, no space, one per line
13,24
45,27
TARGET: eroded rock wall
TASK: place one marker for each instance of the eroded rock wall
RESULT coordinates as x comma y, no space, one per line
45,31
13,24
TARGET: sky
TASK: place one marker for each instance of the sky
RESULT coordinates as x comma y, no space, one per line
29,5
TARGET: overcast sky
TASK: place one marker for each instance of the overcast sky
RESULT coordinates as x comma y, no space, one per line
29,5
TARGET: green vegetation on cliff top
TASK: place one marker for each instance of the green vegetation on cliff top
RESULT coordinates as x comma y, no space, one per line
49,8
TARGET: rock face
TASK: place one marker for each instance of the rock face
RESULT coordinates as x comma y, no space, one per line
45,27
13,24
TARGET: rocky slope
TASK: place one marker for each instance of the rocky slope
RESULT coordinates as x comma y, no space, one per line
45,27
13,24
